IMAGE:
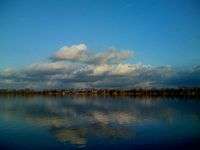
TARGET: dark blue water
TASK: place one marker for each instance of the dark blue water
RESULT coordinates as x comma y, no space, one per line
34,123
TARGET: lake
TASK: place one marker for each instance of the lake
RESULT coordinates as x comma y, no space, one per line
39,122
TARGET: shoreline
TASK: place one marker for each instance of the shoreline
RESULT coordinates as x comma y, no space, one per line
179,92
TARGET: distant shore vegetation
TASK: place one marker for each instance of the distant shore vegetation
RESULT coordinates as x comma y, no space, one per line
165,92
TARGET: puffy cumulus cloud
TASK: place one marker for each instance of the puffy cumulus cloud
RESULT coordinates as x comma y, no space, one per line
116,69
76,67
71,53
124,69
80,53
101,69
51,68
109,57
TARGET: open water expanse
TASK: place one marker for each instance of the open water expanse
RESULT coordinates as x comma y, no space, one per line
62,123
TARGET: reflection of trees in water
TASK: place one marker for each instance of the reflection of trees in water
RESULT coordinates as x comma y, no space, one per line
72,120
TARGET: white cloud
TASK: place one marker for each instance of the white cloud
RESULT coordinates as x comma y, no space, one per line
123,69
80,53
115,69
76,67
7,72
71,53
47,66
101,69
110,56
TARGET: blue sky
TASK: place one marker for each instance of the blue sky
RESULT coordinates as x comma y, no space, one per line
99,44
160,32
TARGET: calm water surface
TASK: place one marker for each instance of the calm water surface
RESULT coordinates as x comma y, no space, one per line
98,123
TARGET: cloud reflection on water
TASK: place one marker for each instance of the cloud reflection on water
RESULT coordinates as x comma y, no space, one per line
76,120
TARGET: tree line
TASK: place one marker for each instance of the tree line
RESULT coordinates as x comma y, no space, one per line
166,92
